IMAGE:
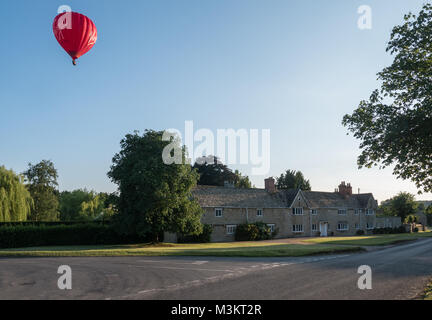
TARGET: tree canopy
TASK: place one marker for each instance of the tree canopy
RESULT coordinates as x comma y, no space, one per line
242,181
154,197
212,172
41,181
292,179
395,124
15,199
402,205
70,203
98,207
85,205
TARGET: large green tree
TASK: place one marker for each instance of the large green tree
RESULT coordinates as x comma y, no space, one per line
292,179
154,196
42,183
395,124
401,205
15,199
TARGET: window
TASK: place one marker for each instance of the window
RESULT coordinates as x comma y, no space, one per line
342,226
342,211
272,227
357,211
298,228
230,229
357,226
297,211
314,227
369,226
370,212
314,212
218,212
259,212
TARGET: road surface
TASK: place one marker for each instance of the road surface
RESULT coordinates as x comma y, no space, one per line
398,272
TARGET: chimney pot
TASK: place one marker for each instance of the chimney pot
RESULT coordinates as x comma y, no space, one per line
345,189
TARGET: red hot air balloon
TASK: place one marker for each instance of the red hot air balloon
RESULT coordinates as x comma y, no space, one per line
75,32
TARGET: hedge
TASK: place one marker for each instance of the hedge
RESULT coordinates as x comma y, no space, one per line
55,235
395,230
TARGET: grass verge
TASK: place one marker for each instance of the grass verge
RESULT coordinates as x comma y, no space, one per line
375,240
428,292
236,249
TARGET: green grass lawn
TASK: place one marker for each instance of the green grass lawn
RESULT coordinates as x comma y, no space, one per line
230,249
233,249
375,240
428,292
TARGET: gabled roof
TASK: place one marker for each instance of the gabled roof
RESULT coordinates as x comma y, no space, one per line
288,196
209,196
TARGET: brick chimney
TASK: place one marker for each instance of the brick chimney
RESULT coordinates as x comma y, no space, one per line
345,189
270,185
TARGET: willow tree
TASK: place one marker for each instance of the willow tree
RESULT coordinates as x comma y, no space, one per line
15,200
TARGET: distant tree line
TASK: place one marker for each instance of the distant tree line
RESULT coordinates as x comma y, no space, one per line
34,196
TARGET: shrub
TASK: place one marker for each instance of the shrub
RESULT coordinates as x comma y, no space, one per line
360,232
264,232
204,237
246,232
254,232
56,235
416,229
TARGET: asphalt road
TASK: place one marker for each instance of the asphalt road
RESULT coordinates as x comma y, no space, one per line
399,272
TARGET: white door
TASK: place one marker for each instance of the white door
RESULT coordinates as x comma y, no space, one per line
323,229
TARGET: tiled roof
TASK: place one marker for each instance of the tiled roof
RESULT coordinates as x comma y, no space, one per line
209,196
336,200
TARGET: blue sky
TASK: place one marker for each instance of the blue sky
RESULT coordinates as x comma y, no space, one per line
295,67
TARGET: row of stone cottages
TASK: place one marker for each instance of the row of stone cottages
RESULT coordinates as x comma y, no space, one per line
293,213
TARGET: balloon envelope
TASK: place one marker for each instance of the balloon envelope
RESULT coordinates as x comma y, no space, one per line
76,33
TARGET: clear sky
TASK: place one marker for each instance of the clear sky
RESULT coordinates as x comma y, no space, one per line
295,67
